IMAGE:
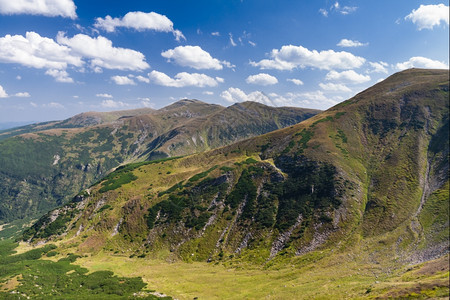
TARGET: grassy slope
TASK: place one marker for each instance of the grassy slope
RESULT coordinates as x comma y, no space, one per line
318,275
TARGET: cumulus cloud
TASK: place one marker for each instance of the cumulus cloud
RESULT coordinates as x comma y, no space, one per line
102,54
54,105
194,57
334,87
33,50
3,93
350,43
104,95
290,57
262,79
122,80
295,81
49,8
143,79
234,95
184,79
428,16
421,62
378,67
22,95
216,33
59,75
145,102
314,99
113,104
349,76
139,21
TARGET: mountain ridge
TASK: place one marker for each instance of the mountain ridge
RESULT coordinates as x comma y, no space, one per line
350,177
52,165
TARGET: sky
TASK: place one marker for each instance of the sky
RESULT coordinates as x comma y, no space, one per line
62,57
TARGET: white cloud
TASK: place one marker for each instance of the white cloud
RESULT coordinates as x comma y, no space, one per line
428,16
421,62
315,99
336,7
348,10
18,77
104,95
22,95
216,33
349,76
113,104
234,95
3,93
183,79
252,44
194,57
262,79
145,102
143,79
324,12
122,80
334,87
49,8
59,75
54,105
232,42
102,54
35,51
209,93
295,81
139,21
350,43
290,57
378,67
33,104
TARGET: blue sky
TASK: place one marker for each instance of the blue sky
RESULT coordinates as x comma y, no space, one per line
62,57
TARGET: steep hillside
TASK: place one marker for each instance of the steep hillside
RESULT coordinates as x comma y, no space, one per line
43,169
368,176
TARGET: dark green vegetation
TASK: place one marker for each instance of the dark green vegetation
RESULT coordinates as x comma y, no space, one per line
43,166
26,275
